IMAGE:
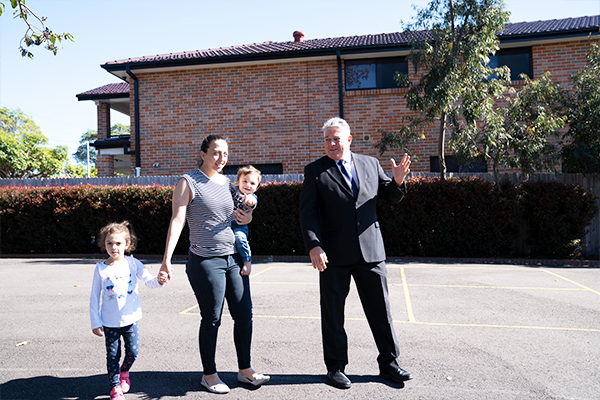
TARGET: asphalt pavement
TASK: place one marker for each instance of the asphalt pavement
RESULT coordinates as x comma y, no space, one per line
466,331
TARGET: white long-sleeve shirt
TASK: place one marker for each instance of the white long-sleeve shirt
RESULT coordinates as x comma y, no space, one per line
116,290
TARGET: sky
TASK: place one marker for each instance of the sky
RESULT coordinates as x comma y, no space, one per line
44,88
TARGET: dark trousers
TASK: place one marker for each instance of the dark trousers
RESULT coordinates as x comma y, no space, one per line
371,283
214,280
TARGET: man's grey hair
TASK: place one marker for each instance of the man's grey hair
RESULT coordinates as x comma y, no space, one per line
338,123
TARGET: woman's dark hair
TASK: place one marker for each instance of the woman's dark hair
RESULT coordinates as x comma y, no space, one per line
208,141
115,227
206,144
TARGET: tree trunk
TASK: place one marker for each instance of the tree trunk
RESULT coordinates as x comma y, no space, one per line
441,158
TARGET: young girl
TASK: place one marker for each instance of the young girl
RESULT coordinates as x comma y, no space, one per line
115,302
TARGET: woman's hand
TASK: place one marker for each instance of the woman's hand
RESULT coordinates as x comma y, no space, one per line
98,331
165,271
242,217
163,277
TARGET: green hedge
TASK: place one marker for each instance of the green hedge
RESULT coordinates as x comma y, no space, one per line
556,217
451,218
64,220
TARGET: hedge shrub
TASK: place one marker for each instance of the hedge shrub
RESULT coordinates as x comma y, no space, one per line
452,218
65,220
556,217
275,226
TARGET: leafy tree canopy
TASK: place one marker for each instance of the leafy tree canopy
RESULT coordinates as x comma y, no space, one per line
582,153
37,33
515,132
22,151
454,86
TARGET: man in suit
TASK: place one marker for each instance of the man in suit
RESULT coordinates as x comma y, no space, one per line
341,232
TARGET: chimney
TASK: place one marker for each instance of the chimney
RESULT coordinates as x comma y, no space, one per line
298,36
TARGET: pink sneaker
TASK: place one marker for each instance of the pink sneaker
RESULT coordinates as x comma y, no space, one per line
125,382
116,393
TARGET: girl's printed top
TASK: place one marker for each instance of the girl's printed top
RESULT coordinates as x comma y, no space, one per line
116,290
209,215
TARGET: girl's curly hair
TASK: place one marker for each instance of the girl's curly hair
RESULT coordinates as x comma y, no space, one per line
118,227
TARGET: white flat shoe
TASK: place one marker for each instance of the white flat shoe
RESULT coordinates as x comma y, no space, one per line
260,379
219,388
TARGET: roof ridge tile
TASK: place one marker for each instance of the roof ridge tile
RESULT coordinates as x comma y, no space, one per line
378,39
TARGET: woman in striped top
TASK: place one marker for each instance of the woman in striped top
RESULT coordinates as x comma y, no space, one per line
213,268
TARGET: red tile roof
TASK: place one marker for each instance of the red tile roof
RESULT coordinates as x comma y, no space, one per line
315,47
111,90
551,26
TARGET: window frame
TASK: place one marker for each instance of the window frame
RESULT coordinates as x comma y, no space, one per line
511,51
478,166
265,169
379,63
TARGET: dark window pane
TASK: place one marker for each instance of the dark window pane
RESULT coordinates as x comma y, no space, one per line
387,74
377,73
265,169
452,165
518,60
361,76
518,64
434,164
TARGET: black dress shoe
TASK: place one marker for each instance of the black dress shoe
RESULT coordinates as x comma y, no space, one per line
338,379
396,375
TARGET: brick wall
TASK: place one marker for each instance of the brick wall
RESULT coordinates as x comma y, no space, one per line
561,59
105,164
272,113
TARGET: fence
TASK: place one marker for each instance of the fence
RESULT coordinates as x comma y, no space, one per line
590,182
128,180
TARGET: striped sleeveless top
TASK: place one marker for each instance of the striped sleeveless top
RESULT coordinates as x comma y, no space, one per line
209,215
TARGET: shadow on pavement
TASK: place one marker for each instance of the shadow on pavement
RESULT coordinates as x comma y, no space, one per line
148,385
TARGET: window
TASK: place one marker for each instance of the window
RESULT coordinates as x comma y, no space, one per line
265,169
452,165
517,59
375,73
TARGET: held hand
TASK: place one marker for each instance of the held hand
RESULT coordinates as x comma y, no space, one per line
162,277
98,331
165,270
242,217
401,170
318,258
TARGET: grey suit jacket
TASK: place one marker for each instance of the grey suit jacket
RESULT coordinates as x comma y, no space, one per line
331,217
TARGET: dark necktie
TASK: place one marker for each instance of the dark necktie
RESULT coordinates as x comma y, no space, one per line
348,177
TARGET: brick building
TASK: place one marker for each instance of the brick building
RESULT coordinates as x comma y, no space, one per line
270,99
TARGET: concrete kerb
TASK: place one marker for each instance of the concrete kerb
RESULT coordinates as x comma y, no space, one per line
468,331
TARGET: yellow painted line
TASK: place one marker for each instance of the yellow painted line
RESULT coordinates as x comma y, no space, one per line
491,287
285,283
427,323
409,309
286,317
187,311
503,326
444,324
573,282
506,267
261,272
